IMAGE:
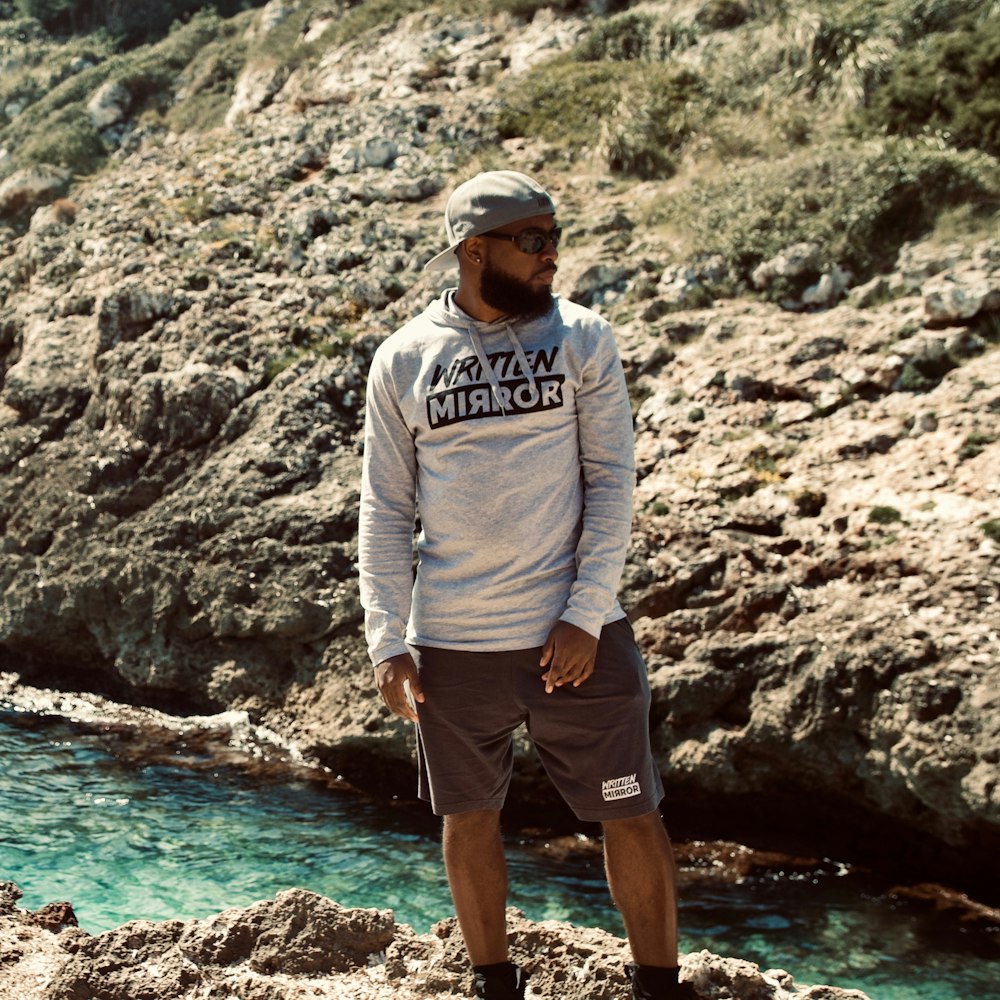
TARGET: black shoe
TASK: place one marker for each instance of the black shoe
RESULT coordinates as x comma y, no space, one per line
505,981
646,987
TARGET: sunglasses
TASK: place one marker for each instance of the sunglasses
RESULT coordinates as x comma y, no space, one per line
531,241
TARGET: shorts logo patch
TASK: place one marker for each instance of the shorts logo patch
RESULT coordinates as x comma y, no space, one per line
620,788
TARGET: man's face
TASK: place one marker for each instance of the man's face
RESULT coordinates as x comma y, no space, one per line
514,282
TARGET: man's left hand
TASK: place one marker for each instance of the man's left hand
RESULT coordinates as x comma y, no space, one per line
569,653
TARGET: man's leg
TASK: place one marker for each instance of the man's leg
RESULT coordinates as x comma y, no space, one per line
642,878
477,875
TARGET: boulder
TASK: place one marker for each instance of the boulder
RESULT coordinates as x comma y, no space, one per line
109,105
958,299
32,186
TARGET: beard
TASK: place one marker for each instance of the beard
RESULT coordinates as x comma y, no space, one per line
512,296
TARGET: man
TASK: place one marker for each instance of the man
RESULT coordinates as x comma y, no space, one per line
500,417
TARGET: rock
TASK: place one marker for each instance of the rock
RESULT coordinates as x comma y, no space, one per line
109,104
598,283
31,186
256,87
876,290
828,290
682,287
959,300
300,944
793,262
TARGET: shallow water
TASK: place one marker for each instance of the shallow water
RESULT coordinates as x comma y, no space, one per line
120,840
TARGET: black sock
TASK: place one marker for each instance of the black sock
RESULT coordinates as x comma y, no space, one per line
658,978
500,970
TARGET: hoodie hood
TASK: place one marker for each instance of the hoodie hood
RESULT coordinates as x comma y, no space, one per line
498,332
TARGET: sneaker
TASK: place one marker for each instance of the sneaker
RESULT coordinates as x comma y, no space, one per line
504,983
645,991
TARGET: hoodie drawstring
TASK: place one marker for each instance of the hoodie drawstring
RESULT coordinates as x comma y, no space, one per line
490,374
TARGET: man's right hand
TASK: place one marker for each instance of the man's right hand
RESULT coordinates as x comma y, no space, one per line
398,681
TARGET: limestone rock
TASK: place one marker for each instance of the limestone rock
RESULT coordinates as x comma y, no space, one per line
300,945
793,262
956,301
31,186
109,104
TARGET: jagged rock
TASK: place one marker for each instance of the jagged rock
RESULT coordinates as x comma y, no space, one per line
598,282
828,290
793,262
681,286
302,945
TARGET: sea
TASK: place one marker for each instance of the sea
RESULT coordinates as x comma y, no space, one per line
86,819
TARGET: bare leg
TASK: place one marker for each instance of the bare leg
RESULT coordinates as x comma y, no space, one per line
642,877
477,874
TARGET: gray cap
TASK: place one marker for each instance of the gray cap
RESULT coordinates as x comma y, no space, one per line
487,202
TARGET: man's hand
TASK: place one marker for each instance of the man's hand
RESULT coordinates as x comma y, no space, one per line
398,681
569,653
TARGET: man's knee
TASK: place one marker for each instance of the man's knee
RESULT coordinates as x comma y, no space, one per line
633,825
477,823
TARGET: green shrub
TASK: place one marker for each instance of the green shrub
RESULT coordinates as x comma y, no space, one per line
992,529
560,101
526,9
858,202
720,15
635,36
643,113
975,444
69,140
133,23
57,129
947,87
884,515
911,21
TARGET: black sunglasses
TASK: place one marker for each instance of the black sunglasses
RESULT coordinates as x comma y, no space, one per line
531,241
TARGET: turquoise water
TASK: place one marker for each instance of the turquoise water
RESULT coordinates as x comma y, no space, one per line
80,821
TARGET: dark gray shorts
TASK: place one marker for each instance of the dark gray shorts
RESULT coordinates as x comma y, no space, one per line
593,740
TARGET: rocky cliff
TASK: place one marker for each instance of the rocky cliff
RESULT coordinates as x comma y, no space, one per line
184,339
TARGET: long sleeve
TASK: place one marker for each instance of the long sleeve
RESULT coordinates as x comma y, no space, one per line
387,515
608,468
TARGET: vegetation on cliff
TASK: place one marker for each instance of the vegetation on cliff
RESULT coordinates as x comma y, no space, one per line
856,126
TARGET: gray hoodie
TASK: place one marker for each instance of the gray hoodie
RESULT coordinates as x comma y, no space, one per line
512,443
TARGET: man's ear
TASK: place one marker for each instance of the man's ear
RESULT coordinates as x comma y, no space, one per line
472,248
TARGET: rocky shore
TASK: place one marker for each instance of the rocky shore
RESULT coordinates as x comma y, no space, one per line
300,945
813,574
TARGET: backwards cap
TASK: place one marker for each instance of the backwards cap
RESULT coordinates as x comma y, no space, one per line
487,202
